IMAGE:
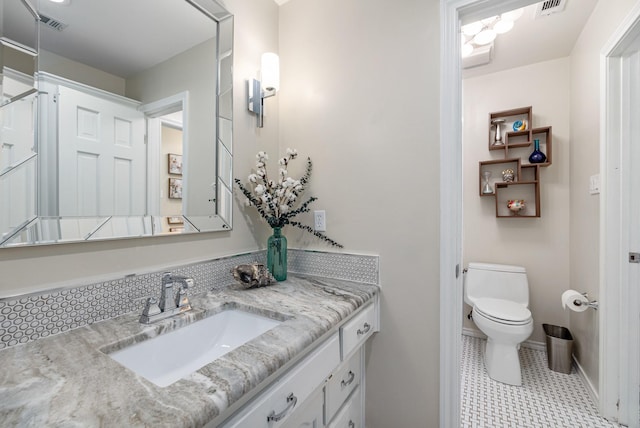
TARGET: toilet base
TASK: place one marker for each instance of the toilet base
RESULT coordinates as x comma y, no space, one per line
502,362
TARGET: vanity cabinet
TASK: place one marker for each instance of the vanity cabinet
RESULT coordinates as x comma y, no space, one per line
272,408
516,146
324,389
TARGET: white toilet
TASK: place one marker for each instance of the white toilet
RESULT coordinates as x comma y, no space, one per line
499,295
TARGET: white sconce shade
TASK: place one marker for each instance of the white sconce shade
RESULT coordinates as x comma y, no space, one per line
270,71
267,86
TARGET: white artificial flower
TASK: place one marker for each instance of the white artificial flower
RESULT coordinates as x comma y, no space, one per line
247,202
279,192
292,197
261,172
259,164
298,187
283,172
284,209
292,152
283,161
262,156
264,198
290,182
253,178
260,189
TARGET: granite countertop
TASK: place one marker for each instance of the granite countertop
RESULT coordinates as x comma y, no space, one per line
67,380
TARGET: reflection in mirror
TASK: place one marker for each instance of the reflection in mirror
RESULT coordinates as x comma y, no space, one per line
126,142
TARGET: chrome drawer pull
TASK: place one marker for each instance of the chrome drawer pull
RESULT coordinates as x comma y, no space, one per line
352,376
352,424
366,329
292,400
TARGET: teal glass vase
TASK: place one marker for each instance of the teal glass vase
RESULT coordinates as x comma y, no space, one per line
277,254
537,156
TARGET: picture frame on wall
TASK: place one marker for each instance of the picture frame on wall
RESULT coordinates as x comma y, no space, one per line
175,164
175,188
175,220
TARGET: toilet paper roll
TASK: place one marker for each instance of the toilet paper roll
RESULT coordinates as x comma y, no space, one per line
575,301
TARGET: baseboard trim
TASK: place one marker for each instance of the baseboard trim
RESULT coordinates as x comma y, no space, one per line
539,346
590,388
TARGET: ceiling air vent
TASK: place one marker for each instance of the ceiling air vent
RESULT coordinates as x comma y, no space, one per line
52,23
550,7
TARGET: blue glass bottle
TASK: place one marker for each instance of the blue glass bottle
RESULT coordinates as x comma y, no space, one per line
537,156
277,255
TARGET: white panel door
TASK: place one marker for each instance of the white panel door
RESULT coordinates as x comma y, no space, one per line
17,193
102,156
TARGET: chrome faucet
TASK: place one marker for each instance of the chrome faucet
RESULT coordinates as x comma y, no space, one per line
170,303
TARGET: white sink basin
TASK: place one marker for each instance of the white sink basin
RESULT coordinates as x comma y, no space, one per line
169,357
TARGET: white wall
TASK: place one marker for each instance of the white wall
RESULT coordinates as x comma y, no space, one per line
585,161
360,95
541,245
78,72
35,268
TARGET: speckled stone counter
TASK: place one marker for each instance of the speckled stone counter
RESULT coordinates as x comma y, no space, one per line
68,380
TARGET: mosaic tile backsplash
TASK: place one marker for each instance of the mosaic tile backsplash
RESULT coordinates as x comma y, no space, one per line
28,318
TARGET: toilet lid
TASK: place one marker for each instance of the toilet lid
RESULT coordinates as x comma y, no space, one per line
504,311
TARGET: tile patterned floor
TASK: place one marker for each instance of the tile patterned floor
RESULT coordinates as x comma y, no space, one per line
547,399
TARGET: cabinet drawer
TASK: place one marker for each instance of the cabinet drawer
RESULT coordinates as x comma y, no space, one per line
271,408
357,330
341,383
350,416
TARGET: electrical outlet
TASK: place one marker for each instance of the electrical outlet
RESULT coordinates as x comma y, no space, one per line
319,221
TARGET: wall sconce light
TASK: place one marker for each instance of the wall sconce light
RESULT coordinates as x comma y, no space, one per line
267,87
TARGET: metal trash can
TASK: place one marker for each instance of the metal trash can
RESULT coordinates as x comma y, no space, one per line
559,348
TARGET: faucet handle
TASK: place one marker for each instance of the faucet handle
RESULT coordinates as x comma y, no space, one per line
182,300
151,307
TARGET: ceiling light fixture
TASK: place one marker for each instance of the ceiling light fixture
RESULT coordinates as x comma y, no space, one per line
482,33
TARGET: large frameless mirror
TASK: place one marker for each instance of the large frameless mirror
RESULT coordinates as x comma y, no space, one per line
116,119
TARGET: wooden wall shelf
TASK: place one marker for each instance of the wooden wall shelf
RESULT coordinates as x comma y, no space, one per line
517,146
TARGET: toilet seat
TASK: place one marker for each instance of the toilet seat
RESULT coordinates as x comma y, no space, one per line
502,311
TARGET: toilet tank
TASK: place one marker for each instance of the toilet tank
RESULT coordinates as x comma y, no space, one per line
496,281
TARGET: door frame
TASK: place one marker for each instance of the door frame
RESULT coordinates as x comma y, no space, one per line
452,13
619,376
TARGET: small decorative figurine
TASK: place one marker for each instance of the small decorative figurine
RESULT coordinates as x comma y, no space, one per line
519,125
516,205
497,138
253,275
487,189
508,175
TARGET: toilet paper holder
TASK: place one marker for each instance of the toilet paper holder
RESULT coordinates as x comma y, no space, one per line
590,304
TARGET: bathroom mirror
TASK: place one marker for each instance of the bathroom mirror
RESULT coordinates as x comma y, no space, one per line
116,119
